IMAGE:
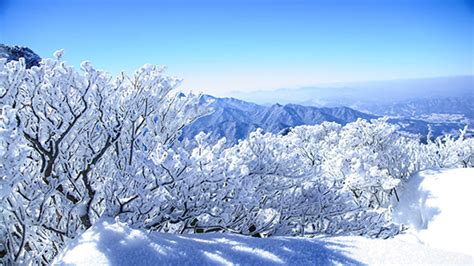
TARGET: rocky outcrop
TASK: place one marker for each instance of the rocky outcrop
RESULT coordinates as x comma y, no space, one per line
15,52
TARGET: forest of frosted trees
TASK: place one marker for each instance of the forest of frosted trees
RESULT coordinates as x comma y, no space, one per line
76,146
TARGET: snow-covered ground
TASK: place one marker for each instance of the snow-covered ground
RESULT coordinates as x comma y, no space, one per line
435,204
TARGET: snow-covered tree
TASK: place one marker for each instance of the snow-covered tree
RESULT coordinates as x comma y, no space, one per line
372,158
76,136
448,151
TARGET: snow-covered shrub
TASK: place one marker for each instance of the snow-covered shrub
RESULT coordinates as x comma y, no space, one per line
266,185
448,151
75,144
371,159
316,179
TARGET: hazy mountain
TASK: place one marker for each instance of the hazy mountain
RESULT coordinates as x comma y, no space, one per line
365,93
422,108
444,103
235,119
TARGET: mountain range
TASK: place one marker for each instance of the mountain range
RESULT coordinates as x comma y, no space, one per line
235,119
361,94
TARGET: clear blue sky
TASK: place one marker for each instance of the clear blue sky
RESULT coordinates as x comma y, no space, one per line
227,45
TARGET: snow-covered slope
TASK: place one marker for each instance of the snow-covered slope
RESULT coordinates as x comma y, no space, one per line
437,205
110,243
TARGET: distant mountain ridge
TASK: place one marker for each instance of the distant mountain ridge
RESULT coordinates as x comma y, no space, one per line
366,93
444,104
235,119
421,107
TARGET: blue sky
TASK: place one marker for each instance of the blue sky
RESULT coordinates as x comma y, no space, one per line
230,45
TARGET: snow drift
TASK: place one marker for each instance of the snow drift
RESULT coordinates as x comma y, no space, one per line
436,205
111,243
